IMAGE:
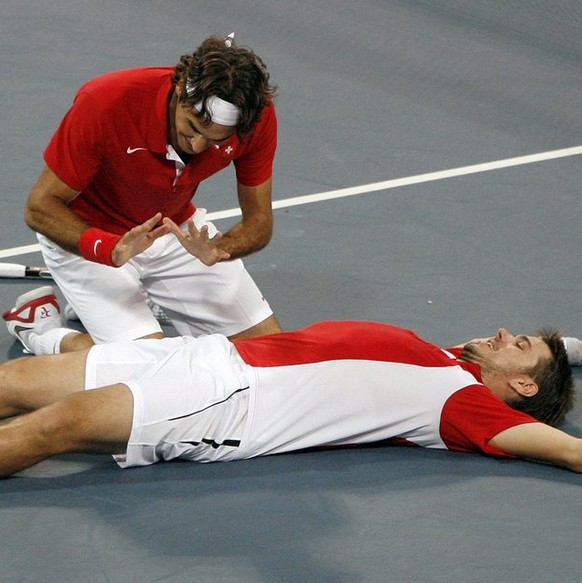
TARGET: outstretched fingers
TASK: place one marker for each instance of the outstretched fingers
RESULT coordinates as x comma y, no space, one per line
198,242
138,239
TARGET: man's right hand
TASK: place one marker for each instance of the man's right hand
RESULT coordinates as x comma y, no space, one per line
138,240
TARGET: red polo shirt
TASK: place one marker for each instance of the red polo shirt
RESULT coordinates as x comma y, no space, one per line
111,146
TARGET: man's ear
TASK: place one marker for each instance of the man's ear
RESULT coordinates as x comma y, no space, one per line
523,385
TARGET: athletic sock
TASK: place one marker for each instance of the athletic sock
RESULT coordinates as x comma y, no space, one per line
47,343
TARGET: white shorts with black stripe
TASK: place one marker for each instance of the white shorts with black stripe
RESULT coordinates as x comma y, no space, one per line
191,396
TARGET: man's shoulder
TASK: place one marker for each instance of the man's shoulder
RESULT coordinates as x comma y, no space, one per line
135,81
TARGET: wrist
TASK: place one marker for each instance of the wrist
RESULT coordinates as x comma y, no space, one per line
97,245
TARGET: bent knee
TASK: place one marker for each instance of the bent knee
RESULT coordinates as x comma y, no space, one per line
13,370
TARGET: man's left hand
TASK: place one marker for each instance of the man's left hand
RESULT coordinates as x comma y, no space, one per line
198,243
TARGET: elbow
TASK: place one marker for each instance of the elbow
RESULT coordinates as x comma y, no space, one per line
263,233
31,217
575,467
39,210
267,233
264,240
573,459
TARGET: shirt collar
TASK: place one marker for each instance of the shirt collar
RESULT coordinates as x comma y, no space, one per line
156,137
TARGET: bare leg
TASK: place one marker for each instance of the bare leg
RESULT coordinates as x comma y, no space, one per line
74,342
96,421
32,382
268,326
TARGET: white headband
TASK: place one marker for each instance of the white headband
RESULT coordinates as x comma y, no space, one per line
220,111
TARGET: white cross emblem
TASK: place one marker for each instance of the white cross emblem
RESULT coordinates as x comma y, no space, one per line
228,149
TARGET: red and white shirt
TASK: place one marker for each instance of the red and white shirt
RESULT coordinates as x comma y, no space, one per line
111,146
352,383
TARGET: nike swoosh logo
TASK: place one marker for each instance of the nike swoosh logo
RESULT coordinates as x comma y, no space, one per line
19,329
97,243
132,150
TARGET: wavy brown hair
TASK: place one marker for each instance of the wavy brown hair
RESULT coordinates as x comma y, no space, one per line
233,73
555,396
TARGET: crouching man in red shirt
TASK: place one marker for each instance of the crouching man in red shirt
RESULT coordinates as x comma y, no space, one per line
113,206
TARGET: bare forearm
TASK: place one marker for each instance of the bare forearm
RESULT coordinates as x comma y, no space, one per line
255,229
575,458
56,221
539,442
246,237
568,457
47,211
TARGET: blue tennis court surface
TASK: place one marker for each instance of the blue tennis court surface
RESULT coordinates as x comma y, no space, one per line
369,92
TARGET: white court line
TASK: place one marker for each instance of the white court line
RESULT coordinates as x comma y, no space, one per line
373,187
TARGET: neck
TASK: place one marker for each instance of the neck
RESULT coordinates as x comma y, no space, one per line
498,384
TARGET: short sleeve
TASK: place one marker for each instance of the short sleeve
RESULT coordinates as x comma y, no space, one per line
473,415
74,151
255,166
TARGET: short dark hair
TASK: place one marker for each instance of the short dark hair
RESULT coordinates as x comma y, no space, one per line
235,74
555,396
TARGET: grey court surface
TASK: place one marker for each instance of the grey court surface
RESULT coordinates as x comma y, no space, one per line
369,91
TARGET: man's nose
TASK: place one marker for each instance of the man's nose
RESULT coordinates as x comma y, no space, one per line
198,144
504,335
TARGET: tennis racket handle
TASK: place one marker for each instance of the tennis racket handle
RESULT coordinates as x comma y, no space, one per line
18,270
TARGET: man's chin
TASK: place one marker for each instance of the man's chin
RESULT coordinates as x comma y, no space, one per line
472,352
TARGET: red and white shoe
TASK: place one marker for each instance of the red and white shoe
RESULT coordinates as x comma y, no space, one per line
35,311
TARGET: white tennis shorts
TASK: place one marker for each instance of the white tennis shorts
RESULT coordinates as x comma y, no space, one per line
190,397
112,302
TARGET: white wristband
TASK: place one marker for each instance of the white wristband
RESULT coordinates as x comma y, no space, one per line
572,346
